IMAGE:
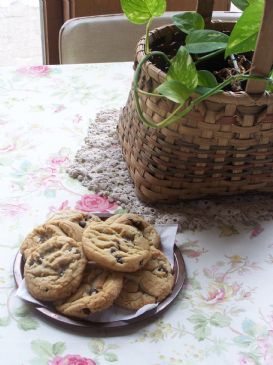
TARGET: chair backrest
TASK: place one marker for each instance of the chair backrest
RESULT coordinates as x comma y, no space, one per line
107,38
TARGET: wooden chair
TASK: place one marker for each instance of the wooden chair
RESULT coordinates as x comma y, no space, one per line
109,38
54,13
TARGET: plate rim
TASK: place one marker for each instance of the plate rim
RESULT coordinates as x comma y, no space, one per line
179,268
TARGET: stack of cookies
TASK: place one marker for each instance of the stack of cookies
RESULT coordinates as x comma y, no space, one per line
83,264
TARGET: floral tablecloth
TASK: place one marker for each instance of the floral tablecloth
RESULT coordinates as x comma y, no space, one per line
223,316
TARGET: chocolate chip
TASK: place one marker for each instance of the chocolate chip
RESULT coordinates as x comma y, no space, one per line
93,290
31,263
129,243
38,261
82,224
141,263
113,249
86,311
161,268
119,259
44,237
61,272
138,225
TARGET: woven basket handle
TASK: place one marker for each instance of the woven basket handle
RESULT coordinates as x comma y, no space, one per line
263,56
205,8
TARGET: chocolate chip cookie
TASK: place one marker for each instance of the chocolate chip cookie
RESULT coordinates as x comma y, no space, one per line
69,229
38,236
118,247
150,285
44,232
55,269
98,290
139,223
75,216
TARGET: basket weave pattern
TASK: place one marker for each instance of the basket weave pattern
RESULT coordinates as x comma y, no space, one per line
223,147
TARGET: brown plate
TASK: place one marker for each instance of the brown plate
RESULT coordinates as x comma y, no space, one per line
49,311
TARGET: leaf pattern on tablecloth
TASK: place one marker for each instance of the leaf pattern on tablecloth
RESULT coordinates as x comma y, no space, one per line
103,350
222,315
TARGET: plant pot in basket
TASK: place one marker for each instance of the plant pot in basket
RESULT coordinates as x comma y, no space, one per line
188,134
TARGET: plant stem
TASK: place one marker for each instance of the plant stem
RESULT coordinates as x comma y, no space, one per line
198,100
147,45
149,94
208,56
175,116
135,84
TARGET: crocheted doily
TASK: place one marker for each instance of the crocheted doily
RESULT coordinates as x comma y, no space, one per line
99,166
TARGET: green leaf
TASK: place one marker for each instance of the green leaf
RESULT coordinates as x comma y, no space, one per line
113,346
42,348
28,323
141,11
4,321
198,319
189,21
205,41
183,69
269,83
269,86
193,281
58,348
250,327
219,320
21,311
110,356
244,34
241,4
243,340
201,332
206,79
174,90
97,346
219,346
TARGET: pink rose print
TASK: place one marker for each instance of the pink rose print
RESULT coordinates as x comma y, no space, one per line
56,163
77,119
8,148
36,71
59,108
63,206
95,203
256,231
222,293
12,210
71,360
58,160
266,348
245,360
216,296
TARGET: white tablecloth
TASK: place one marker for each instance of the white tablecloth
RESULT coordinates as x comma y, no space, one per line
223,316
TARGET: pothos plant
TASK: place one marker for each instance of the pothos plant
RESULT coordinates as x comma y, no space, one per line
184,78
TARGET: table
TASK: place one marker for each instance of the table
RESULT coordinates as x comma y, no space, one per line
223,316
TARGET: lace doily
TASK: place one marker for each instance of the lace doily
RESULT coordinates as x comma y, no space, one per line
100,167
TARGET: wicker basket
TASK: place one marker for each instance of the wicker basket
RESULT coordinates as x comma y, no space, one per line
223,147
